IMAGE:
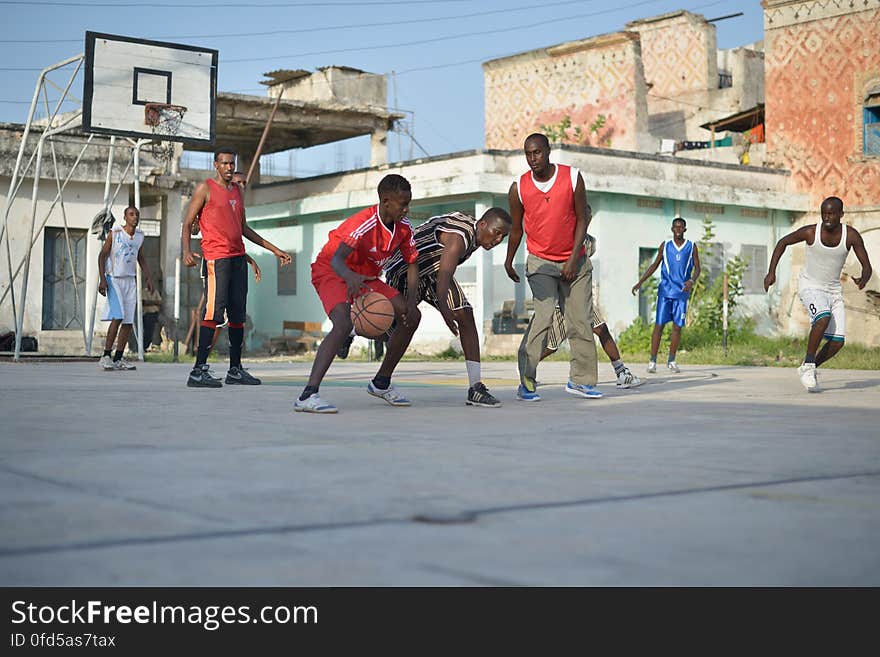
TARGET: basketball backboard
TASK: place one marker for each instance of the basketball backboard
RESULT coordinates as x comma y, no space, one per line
123,75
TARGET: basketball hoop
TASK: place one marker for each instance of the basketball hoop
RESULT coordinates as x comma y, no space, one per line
164,120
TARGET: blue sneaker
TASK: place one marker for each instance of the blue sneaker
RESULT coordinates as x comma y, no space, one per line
524,395
590,392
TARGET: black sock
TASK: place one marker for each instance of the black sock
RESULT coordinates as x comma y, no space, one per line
811,358
117,356
206,334
236,339
308,391
381,382
106,352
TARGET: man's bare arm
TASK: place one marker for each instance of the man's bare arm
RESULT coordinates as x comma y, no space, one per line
800,235
858,247
516,231
651,269
196,203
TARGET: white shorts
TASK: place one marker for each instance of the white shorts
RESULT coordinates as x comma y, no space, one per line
121,298
821,303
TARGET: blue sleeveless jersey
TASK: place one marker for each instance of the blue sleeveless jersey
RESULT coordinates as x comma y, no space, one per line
678,263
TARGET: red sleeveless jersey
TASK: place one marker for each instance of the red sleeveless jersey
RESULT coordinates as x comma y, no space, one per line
549,218
373,242
220,222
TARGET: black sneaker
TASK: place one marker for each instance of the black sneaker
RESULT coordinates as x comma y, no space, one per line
200,377
343,350
240,376
478,395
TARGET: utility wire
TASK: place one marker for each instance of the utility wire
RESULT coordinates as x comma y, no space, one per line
308,30
449,37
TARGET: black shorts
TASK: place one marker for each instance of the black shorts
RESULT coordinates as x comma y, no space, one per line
226,286
428,289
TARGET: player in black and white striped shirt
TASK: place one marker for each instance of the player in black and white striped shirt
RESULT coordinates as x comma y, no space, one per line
443,243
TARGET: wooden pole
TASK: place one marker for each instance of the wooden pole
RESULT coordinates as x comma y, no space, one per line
724,313
256,159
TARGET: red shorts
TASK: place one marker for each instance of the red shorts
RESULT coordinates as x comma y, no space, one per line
332,289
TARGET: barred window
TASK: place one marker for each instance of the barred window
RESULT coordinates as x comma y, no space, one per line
755,256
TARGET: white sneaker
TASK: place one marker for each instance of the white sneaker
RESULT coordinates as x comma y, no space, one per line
123,364
673,367
391,396
313,404
106,364
627,379
652,367
807,372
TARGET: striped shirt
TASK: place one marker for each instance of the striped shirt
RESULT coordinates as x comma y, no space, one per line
429,246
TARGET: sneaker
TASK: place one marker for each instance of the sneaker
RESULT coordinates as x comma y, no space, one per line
626,379
240,376
530,385
524,395
123,364
590,392
200,377
807,372
673,367
478,395
391,396
652,367
313,404
106,364
343,350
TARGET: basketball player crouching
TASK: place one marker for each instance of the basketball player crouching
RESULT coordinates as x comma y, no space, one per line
444,242
348,266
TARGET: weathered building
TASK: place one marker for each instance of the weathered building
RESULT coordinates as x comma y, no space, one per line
823,125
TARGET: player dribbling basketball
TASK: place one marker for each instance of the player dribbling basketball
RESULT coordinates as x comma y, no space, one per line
351,261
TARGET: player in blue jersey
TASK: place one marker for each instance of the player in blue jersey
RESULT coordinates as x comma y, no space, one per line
681,267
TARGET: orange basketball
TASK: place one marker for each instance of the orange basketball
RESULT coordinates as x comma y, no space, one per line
371,314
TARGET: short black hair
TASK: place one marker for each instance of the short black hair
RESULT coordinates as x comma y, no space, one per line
224,151
392,183
540,137
131,207
681,219
836,201
497,214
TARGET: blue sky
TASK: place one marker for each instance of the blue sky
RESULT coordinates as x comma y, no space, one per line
435,48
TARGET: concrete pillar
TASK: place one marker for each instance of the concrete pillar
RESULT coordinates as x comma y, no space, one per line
485,278
379,146
173,206
243,164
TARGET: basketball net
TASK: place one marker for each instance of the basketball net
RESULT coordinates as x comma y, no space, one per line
164,121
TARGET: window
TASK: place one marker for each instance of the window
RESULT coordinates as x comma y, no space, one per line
646,292
711,260
64,283
287,276
871,115
755,256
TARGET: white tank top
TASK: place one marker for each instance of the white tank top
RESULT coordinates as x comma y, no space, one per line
824,263
122,260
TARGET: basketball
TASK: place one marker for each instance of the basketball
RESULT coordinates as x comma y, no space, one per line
371,314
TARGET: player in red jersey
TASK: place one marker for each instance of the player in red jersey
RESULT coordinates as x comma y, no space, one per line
218,204
349,265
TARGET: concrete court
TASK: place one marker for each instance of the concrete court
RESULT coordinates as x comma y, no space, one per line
716,476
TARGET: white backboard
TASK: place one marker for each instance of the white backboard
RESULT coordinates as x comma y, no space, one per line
123,74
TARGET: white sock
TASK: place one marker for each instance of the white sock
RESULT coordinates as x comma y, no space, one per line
473,370
617,365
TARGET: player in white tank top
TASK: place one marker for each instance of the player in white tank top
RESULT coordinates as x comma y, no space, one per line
117,271
828,244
